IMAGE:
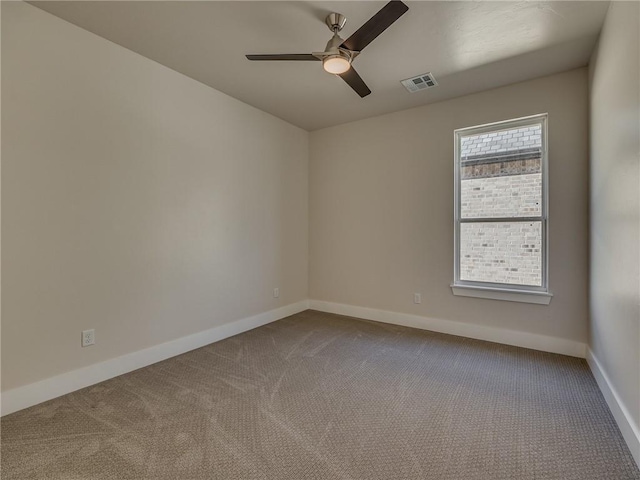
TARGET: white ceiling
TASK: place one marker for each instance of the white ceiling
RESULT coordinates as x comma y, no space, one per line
468,46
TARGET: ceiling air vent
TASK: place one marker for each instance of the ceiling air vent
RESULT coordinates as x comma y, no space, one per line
421,82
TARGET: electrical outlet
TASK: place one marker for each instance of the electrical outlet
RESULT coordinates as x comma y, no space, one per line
276,292
417,298
88,337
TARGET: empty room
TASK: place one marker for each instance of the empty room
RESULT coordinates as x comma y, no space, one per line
351,240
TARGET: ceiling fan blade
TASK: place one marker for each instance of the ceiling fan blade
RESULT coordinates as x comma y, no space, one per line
377,24
305,57
355,81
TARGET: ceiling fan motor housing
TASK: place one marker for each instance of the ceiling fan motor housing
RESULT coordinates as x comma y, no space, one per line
334,43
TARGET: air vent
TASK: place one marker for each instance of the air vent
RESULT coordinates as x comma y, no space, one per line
421,82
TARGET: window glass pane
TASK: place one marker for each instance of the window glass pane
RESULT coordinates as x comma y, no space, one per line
501,252
500,173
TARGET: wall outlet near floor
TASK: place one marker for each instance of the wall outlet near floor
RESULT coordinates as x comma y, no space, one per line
276,292
88,337
417,298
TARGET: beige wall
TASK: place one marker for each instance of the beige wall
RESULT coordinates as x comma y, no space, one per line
615,203
381,208
135,201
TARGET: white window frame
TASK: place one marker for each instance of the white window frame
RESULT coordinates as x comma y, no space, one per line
503,291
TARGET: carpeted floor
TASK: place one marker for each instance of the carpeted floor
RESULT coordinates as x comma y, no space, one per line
320,396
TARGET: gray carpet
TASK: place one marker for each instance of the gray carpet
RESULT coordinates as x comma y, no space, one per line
320,396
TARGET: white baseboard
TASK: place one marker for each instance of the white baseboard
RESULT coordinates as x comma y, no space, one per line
628,428
38,392
480,332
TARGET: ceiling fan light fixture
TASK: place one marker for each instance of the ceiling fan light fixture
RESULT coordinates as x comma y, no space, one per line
336,64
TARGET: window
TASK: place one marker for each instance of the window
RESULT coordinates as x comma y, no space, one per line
501,246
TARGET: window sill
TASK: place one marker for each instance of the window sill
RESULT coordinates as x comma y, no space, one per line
522,296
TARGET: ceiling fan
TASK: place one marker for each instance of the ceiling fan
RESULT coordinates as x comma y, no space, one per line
339,53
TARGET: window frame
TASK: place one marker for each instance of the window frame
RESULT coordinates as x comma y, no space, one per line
503,290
